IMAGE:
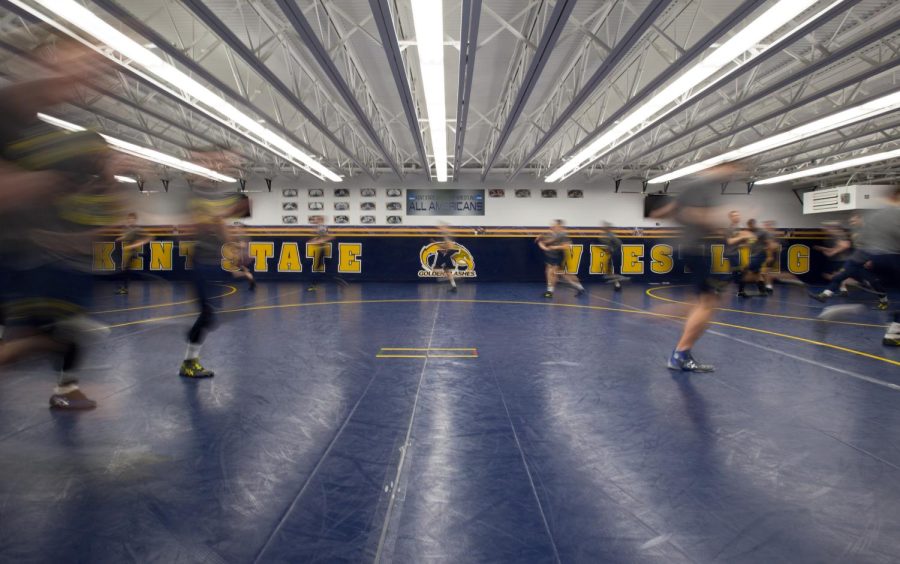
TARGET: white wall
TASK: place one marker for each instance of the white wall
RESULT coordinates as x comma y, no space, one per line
600,202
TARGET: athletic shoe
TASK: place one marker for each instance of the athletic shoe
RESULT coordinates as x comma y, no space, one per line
882,303
820,297
743,294
73,400
122,291
311,288
891,340
548,294
579,292
252,286
617,287
843,293
453,289
688,364
193,369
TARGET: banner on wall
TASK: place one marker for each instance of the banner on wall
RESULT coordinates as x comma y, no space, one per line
444,202
409,259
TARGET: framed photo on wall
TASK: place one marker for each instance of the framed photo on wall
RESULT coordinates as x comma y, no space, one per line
367,206
548,193
315,219
341,219
288,206
316,206
367,192
289,193
341,193
523,193
316,193
341,206
367,219
575,193
497,193
394,206
394,219
394,193
289,219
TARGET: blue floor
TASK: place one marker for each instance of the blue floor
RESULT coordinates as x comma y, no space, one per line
532,431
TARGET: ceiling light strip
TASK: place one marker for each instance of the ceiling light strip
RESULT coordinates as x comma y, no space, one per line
169,78
840,165
142,152
828,123
740,49
428,20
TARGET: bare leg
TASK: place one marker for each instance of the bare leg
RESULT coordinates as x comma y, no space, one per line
697,321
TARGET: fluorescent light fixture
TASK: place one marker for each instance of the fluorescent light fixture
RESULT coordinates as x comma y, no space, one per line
164,75
849,163
142,152
125,179
862,112
744,43
428,19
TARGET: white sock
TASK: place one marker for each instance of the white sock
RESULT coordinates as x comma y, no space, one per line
453,282
579,286
894,329
827,293
193,351
549,288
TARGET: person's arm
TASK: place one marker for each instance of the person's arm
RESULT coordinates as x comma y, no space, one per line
839,247
739,238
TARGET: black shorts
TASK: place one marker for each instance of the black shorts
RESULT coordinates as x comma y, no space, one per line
553,258
756,262
702,277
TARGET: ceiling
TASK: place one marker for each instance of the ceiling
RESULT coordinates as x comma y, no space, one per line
545,78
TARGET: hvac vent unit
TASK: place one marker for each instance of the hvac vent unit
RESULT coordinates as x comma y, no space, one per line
844,198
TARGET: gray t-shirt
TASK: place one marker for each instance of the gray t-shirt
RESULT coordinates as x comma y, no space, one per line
881,233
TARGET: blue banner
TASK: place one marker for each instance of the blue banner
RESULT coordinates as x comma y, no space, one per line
412,258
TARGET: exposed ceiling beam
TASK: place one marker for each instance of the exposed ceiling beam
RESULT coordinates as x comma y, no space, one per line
381,11
468,45
795,36
249,57
552,31
850,82
619,51
178,55
312,42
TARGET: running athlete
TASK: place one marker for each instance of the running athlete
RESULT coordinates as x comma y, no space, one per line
854,267
132,239
210,234
840,248
57,192
241,242
759,249
696,209
444,259
731,233
555,244
317,245
613,246
879,252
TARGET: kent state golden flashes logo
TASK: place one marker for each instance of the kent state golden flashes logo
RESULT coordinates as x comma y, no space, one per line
463,262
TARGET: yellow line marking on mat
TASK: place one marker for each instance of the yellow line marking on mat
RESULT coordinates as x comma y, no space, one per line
513,302
232,290
651,292
427,349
